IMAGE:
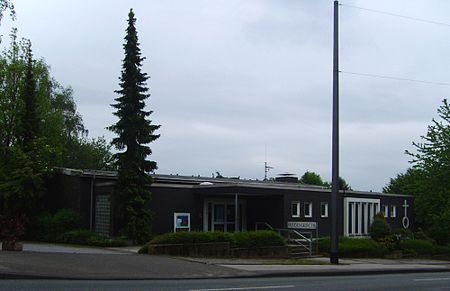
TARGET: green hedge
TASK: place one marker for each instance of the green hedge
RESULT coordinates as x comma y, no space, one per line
191,237
255,239
417,246
87,237
352,247
238,240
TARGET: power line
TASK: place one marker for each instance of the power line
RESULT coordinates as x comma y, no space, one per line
397,15
394,78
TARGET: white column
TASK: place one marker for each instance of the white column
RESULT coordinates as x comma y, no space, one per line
353,217
360,222
366,220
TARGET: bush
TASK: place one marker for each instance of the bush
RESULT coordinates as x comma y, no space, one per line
65,220
47,227
255,239
87,237
237,240
191,237
421,235
379,227
352,247
41,229
402,234
421,247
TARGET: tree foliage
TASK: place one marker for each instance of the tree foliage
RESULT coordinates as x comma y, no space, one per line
134,131
428,179
6,5
40,130
404,183
312,178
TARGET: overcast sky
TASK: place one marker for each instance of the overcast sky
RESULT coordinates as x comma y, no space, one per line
237,83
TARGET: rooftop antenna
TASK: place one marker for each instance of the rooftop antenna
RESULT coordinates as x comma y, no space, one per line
267,168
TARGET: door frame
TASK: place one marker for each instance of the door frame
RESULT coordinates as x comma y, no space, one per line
208,218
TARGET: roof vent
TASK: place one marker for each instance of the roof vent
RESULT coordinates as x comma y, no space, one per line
287,178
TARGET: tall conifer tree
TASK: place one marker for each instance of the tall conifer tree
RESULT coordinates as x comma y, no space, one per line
134,131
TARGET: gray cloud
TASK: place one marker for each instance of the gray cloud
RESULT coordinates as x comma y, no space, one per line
230,79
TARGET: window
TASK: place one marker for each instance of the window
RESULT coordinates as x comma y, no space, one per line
358,215
308,209
295,209
393,211
324,209
386,210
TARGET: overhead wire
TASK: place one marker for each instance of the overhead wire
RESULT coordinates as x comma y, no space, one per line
394,78
400,16
396,15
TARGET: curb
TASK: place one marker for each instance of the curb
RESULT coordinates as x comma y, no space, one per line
10,276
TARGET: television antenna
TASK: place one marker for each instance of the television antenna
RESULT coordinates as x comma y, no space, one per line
267,168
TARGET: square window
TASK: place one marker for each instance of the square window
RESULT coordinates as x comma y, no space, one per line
324,209
308,209
295,209
393,211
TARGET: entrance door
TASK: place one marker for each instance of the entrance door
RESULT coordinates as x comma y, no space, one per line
220,216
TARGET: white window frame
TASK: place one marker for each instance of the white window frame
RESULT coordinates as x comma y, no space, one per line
386,210
324,215
297,206
307,205
393,211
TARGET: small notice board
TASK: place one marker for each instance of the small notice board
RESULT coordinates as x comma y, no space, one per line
302,224
181,221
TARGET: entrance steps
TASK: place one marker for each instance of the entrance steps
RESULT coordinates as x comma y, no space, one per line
298,252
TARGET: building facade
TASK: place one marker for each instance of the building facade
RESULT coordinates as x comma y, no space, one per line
221,204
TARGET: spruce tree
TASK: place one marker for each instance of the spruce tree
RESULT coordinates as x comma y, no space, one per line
134,131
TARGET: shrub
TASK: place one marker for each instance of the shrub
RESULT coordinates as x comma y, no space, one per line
352,247
41,229
421,235
379,227
87,237
65,220
191,237
402,234
389,242
421,247
237,240
255,239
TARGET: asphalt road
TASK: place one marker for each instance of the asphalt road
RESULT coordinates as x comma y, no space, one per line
417,281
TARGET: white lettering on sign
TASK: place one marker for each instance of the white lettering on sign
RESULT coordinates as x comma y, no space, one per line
302,224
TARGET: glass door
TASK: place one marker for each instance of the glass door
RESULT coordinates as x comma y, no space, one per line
223,217
219,217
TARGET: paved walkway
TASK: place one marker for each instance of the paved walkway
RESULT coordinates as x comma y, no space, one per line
65,262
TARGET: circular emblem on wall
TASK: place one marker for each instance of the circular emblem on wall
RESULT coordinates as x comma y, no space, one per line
405,222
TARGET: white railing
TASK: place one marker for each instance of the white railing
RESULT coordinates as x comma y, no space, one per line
263,226
299,238
304,239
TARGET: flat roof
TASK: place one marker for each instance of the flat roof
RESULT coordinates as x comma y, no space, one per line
199,182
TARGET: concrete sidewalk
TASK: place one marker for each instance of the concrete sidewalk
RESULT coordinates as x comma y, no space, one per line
63,262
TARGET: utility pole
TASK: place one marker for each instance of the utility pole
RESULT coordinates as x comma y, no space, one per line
334,253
